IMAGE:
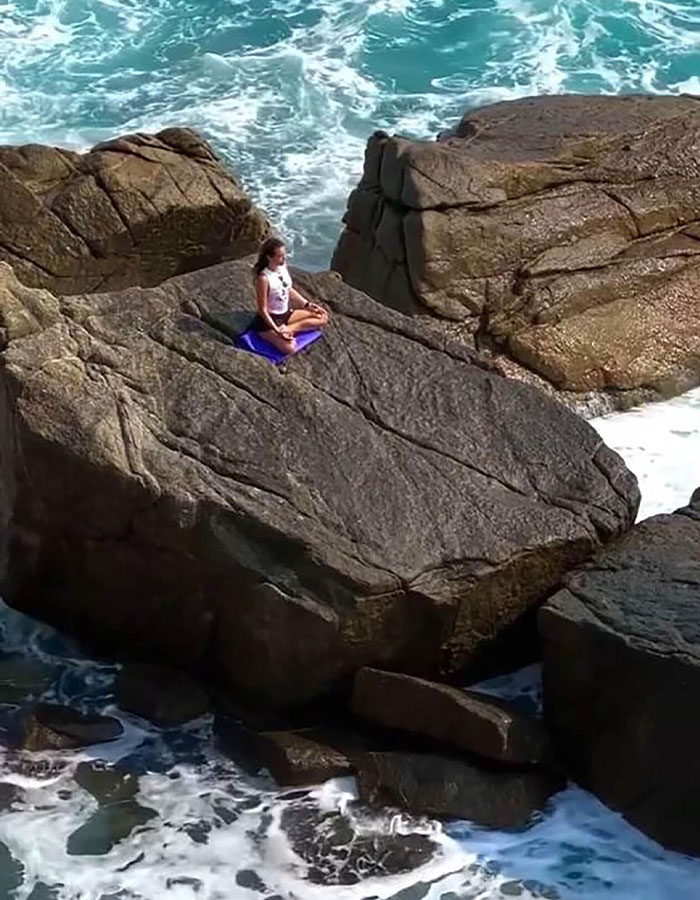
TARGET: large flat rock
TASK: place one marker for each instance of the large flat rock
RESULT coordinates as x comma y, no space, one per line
622,676
132,211
561,232
383,499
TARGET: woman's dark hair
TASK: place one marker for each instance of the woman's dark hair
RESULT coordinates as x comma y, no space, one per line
267,248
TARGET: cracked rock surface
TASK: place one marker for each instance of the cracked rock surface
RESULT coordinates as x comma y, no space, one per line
383,499
622,676
132,211
562,232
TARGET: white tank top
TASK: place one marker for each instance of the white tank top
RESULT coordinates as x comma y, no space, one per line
280,282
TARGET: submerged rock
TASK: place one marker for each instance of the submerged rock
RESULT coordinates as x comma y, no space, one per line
451,787
106,784
466,719
22,678
340,849
561,231
381,500
622,676
163,695
53,727
131,211
108,826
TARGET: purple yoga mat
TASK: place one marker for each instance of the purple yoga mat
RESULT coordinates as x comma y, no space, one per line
251,340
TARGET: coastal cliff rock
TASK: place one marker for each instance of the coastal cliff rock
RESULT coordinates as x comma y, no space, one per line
132,211
383,499
561,232
622,676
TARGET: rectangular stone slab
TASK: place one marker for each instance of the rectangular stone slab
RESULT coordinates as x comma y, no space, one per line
465,719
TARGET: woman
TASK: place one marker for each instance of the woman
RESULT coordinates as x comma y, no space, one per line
282,311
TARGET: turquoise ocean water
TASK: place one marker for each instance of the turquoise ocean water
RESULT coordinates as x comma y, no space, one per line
287,92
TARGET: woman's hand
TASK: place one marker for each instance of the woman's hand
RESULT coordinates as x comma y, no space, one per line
285,333
314,307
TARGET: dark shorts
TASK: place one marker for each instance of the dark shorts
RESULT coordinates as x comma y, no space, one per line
259,324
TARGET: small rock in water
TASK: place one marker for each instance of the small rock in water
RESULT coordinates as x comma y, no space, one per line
246,878
107,827
198,832
107,785
340,852
451,787
194,883
21,678
53,727
165,696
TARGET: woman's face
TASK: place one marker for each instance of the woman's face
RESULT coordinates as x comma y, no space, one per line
278,257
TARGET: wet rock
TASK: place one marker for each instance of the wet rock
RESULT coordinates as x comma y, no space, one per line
466,719
11,872
226,813
622,676
291,758
42,891
36,769
198,832
414,892
186,485
54,727
107,785
186,880
559,230
451,787
343,850
163,695
246,878
108,826
9,795
131,211
122,895
21,678
239,743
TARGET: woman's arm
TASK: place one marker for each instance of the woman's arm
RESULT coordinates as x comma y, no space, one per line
262,289
297,300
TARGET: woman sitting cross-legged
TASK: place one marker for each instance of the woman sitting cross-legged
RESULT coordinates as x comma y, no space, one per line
282,311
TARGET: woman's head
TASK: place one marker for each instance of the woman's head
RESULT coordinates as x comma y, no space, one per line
271,253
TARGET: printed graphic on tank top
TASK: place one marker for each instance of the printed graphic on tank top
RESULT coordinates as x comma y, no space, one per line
280,282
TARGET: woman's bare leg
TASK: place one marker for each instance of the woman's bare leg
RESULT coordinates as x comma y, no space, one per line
304,320
278,342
